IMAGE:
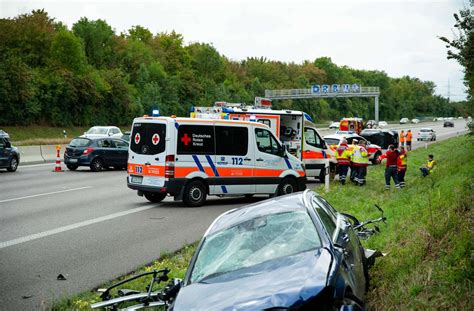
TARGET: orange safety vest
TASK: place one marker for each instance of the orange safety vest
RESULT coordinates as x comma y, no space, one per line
409,136
402,137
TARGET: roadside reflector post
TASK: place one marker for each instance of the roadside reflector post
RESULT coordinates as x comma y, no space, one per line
426,145
326,177
58,168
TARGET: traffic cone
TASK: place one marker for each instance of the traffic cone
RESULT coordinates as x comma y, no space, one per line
58,167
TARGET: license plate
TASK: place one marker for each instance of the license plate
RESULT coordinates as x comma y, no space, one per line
73,160
136,179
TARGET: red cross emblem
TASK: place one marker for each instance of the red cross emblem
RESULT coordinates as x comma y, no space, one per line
137,138
155,139
186,139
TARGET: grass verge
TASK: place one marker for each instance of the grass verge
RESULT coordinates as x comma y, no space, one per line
428,237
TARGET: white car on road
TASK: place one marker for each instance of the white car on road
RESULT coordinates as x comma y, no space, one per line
103,131
383,123
426,133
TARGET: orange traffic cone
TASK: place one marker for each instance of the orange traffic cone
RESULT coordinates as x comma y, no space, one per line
58,168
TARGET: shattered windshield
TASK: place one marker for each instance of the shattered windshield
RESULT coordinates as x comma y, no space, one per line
255,241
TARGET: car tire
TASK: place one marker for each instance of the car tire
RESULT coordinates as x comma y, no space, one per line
155,197
287,186
194,194
13,165
97,165
71,167
349,299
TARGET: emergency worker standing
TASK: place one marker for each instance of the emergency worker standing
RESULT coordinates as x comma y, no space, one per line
360,161
343,157
391,168
401,139
409,137
402,166
353,168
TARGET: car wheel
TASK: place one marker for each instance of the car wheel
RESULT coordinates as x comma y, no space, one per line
71,167
13,165
154,197
194,194
287,186
97,165
349,300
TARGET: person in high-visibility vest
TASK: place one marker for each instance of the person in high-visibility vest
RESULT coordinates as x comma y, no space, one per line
343,157
408,140
402,166
391,155
360,160
402,138
353,168
428,168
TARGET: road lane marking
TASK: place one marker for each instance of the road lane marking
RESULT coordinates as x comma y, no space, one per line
26,165
43,194
44,234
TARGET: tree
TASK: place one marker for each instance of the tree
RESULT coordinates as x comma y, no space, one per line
461,47
67,52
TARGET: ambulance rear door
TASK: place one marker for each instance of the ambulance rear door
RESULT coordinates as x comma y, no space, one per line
147,153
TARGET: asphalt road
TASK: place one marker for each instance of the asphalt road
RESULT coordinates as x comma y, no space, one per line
91,228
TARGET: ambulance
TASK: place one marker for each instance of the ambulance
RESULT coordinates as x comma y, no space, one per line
190,159
293,128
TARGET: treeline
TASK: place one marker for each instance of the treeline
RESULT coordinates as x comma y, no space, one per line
87,75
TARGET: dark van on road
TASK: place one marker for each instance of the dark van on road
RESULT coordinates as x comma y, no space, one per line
9,155
96,153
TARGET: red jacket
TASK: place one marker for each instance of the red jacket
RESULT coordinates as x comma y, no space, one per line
391,156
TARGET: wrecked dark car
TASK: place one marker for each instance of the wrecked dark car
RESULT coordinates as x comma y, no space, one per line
287,253
383,138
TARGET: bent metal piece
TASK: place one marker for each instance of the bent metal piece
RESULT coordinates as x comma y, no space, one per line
146,299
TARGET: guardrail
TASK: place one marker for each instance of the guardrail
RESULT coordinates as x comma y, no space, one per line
38,154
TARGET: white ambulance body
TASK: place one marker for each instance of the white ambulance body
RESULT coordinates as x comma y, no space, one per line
291,127
192,158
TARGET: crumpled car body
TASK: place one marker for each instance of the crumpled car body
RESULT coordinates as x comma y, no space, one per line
293,252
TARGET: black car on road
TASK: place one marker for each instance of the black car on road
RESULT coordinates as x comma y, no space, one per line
448,124
9,155
97,153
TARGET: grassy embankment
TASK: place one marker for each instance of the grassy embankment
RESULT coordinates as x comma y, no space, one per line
428,236
44,135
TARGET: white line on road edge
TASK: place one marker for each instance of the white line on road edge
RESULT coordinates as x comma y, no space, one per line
43,234
42,194
26,165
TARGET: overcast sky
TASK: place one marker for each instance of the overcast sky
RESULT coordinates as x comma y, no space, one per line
398,37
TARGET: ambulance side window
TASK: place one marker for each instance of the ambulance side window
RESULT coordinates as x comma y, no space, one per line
231,140
312,138
196,139
266,142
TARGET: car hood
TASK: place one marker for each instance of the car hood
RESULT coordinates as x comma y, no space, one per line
284,282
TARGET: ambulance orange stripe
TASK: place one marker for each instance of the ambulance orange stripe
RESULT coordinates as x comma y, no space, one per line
146,170
308,155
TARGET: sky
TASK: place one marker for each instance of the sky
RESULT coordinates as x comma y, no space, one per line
398,37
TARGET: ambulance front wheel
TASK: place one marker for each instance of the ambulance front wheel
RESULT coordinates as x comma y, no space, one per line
194,194
287,186
154,197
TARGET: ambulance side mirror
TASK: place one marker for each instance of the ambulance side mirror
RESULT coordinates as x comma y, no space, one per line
282,152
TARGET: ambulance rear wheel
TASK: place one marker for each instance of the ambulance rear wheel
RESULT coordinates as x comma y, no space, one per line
154,197
194,194
287,186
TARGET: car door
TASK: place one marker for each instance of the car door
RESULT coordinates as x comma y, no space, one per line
108,151
268,162
121,149
3,153
314,154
